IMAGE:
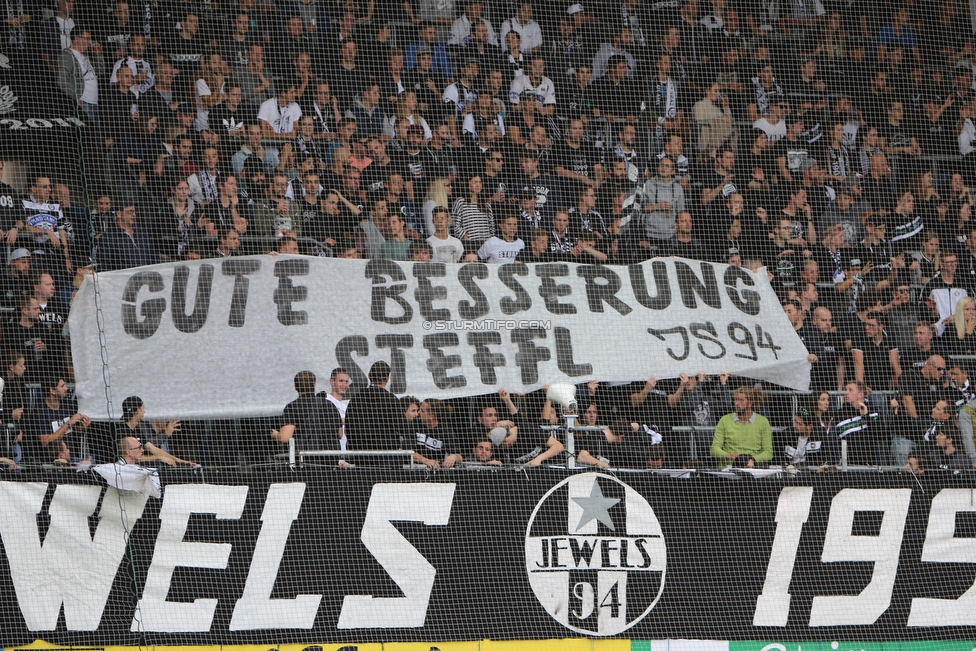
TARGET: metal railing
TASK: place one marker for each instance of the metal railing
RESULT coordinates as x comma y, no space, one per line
296,457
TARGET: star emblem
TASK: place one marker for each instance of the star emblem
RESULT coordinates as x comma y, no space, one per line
596,507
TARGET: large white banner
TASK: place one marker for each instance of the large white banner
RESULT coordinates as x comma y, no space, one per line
224,338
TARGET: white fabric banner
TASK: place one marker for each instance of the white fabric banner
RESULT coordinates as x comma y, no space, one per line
225,338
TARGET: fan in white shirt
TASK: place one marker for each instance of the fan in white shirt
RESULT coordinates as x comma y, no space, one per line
280,114
504,249
527,28
445,248
535,86
462,27
141,69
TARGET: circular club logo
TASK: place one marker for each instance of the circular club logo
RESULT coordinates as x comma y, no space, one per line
595,554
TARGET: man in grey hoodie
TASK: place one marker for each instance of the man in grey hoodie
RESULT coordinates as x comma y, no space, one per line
662,199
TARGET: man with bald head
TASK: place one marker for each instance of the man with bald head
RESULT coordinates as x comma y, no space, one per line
920,389
827,347
130,450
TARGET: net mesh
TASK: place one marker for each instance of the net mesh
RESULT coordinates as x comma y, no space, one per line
828,143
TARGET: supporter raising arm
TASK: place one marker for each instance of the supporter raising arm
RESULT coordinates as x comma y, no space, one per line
526,442
624,444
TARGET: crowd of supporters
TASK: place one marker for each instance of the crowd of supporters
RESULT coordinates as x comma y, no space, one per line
828,141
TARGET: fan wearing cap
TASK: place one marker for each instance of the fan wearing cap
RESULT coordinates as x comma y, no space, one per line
427,84
15,281
154,435
428,45
530,218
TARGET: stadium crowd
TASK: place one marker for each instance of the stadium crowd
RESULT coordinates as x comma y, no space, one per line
828,141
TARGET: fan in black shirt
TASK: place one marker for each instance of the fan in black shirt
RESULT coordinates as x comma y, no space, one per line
684,244
187,46
436,445
625,444
876,357
718,180
575,160
921,389
311,420
374,417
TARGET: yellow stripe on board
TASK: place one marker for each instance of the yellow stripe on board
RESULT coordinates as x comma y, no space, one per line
579,644
426,646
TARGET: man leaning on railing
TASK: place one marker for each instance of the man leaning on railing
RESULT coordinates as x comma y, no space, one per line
374,416
312,420
744,438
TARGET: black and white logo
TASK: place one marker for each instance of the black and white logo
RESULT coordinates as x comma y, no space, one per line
7,100
595,554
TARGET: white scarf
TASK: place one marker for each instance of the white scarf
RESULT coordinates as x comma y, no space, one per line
15,9
666,102
762,95
209,186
